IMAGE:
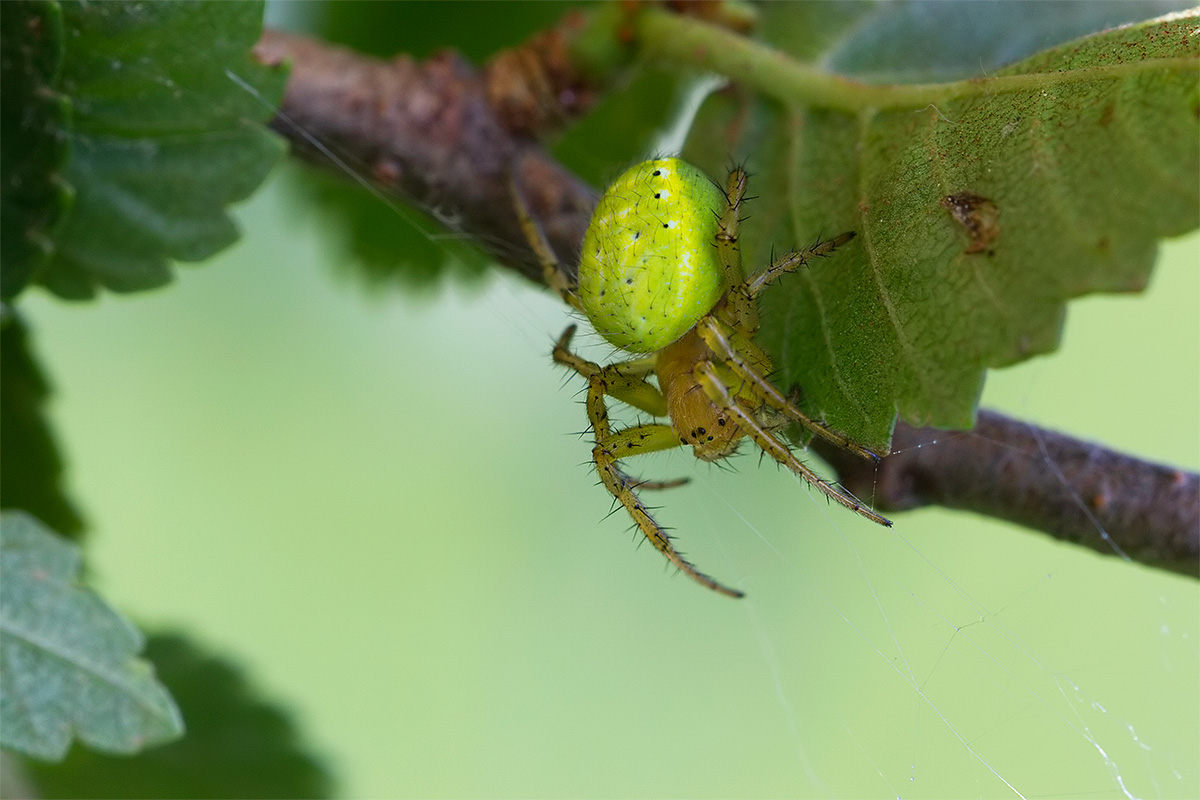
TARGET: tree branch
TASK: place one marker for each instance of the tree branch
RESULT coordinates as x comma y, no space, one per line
427,132
431,133
1071,489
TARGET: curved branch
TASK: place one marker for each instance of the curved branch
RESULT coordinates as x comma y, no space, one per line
428,132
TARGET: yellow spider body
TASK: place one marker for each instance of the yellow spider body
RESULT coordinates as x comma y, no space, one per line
696,419
648,271
661,277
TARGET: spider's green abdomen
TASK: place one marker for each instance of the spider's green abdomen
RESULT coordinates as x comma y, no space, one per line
649,269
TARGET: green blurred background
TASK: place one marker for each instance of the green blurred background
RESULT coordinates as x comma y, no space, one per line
376,502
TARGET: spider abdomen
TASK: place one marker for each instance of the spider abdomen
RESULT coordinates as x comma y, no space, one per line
649,270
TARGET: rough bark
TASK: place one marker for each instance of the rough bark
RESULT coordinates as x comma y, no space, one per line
1071,489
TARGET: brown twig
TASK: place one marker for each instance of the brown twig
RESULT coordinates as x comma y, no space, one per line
1071,489
427,131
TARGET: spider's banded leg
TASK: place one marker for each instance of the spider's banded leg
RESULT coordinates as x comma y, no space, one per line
718,339
611,447
718,392
792,262
630,442
551,270
625,381
739,306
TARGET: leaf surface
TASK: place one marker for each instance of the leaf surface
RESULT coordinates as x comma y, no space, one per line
32,153
237,744
163,138
1079,159
68,665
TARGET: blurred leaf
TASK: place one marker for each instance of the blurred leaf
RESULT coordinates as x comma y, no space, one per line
385,241
67,660
32,149
1077,173
31,478
420,28
959,40
620,130
163,139
236,744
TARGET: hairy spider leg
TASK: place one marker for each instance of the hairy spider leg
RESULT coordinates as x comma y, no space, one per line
729,329
626,381
728,346
718,392
552,272
740,308
623,381
792,262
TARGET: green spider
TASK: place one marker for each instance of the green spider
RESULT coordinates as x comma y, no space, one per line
661,277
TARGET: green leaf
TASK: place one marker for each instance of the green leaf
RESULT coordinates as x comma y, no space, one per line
31,478
237,745
1080,159
32,151
163,138
67,660
932,40
620,130
423,27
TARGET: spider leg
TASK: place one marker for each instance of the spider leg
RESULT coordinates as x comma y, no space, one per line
720,340
552,271
638,484
738,305
718,392
610,447
625,381
792,262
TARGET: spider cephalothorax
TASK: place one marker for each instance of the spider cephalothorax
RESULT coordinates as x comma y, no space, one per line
661,277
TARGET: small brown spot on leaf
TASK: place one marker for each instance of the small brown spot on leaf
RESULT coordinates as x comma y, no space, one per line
978,215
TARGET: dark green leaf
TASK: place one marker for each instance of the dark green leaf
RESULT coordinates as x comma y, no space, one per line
236,745
31,478
620,130
164,137
68,665
32,147
422,27
1078,169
